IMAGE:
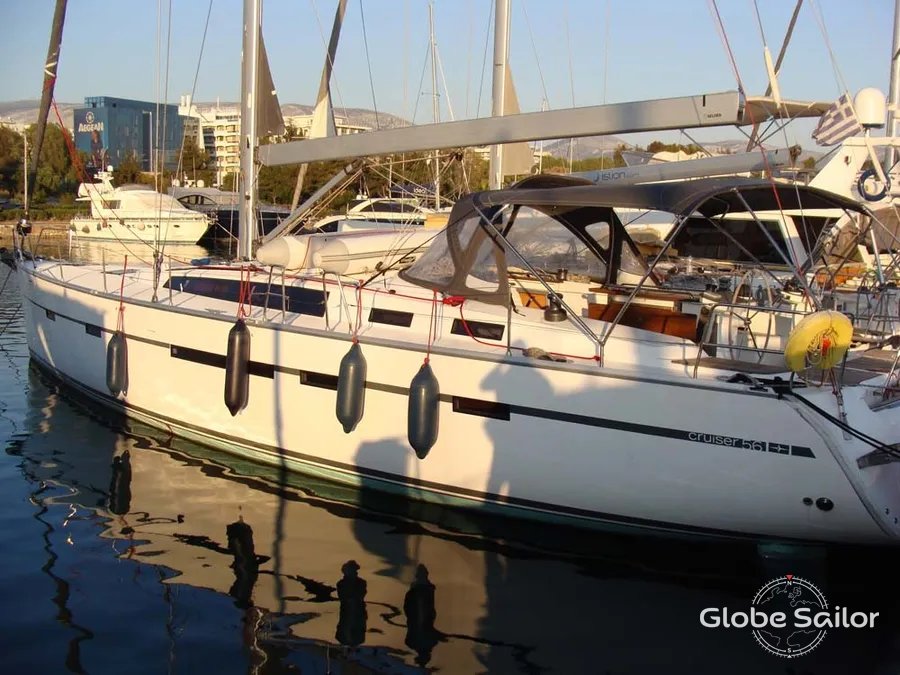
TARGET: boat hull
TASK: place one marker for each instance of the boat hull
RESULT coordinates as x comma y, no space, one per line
590,446
146,230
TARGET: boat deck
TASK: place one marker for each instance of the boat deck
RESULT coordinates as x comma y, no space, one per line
870,364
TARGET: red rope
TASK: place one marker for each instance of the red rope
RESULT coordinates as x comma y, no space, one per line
120,321
244,296
431,325
458,301
358,313
70,144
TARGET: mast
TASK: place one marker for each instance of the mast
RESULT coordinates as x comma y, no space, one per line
249,82
59,16
894,93
435,105
498,91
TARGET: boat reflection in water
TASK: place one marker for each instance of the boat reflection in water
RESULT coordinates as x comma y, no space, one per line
161,554
114,253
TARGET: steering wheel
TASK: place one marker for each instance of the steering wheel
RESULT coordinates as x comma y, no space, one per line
746,316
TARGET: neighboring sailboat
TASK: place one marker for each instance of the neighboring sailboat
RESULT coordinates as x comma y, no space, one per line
528,362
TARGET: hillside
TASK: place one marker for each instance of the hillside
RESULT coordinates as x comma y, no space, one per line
25,112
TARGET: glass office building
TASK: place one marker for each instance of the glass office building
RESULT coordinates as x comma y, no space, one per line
111,129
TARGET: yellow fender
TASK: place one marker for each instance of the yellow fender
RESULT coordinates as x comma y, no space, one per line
820,340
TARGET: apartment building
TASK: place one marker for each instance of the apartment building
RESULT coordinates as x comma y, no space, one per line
217,128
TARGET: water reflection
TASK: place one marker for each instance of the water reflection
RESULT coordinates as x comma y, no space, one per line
418,606
351,590
114,253
127,546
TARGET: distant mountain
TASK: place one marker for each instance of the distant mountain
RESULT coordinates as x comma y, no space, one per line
26,112
360,116
584,148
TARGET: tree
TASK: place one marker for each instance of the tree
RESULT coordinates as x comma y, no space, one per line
128,171
10,159
56,173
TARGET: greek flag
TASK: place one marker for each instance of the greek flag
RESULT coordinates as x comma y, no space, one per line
838,123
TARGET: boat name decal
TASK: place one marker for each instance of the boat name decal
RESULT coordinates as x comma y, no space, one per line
749,444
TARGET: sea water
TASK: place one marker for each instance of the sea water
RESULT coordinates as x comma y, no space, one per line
126,550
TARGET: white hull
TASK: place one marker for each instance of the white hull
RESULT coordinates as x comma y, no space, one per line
183,230
649,447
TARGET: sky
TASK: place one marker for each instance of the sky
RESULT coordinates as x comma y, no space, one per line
562,52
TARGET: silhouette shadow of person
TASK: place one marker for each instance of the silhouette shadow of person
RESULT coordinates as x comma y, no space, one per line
351,590
245,565
418,606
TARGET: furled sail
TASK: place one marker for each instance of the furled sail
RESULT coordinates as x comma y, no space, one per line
517,157
323,115
269,121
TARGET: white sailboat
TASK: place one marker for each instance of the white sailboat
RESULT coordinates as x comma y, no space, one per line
529,362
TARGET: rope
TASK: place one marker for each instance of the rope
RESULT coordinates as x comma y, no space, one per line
15,311
484,58
244,295
358,313
534,50
180,168
120,321
865,438
369,64
459,301
431,326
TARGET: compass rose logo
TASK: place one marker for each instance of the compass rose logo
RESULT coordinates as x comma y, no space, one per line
786,595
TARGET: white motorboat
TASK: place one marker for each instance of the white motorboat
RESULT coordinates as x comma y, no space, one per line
129,213
367,213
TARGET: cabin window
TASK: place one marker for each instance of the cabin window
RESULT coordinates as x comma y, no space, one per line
464,251
549,246
390,317
478,329
703,238
298,300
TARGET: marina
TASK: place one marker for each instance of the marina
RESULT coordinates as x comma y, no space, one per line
109,564
584,420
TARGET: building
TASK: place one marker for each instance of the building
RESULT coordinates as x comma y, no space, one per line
216,129
111,129
302,123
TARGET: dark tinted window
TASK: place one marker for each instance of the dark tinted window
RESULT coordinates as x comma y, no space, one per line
391,207
701,238
298,300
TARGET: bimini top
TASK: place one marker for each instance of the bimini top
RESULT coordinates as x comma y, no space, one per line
553,223
705,196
